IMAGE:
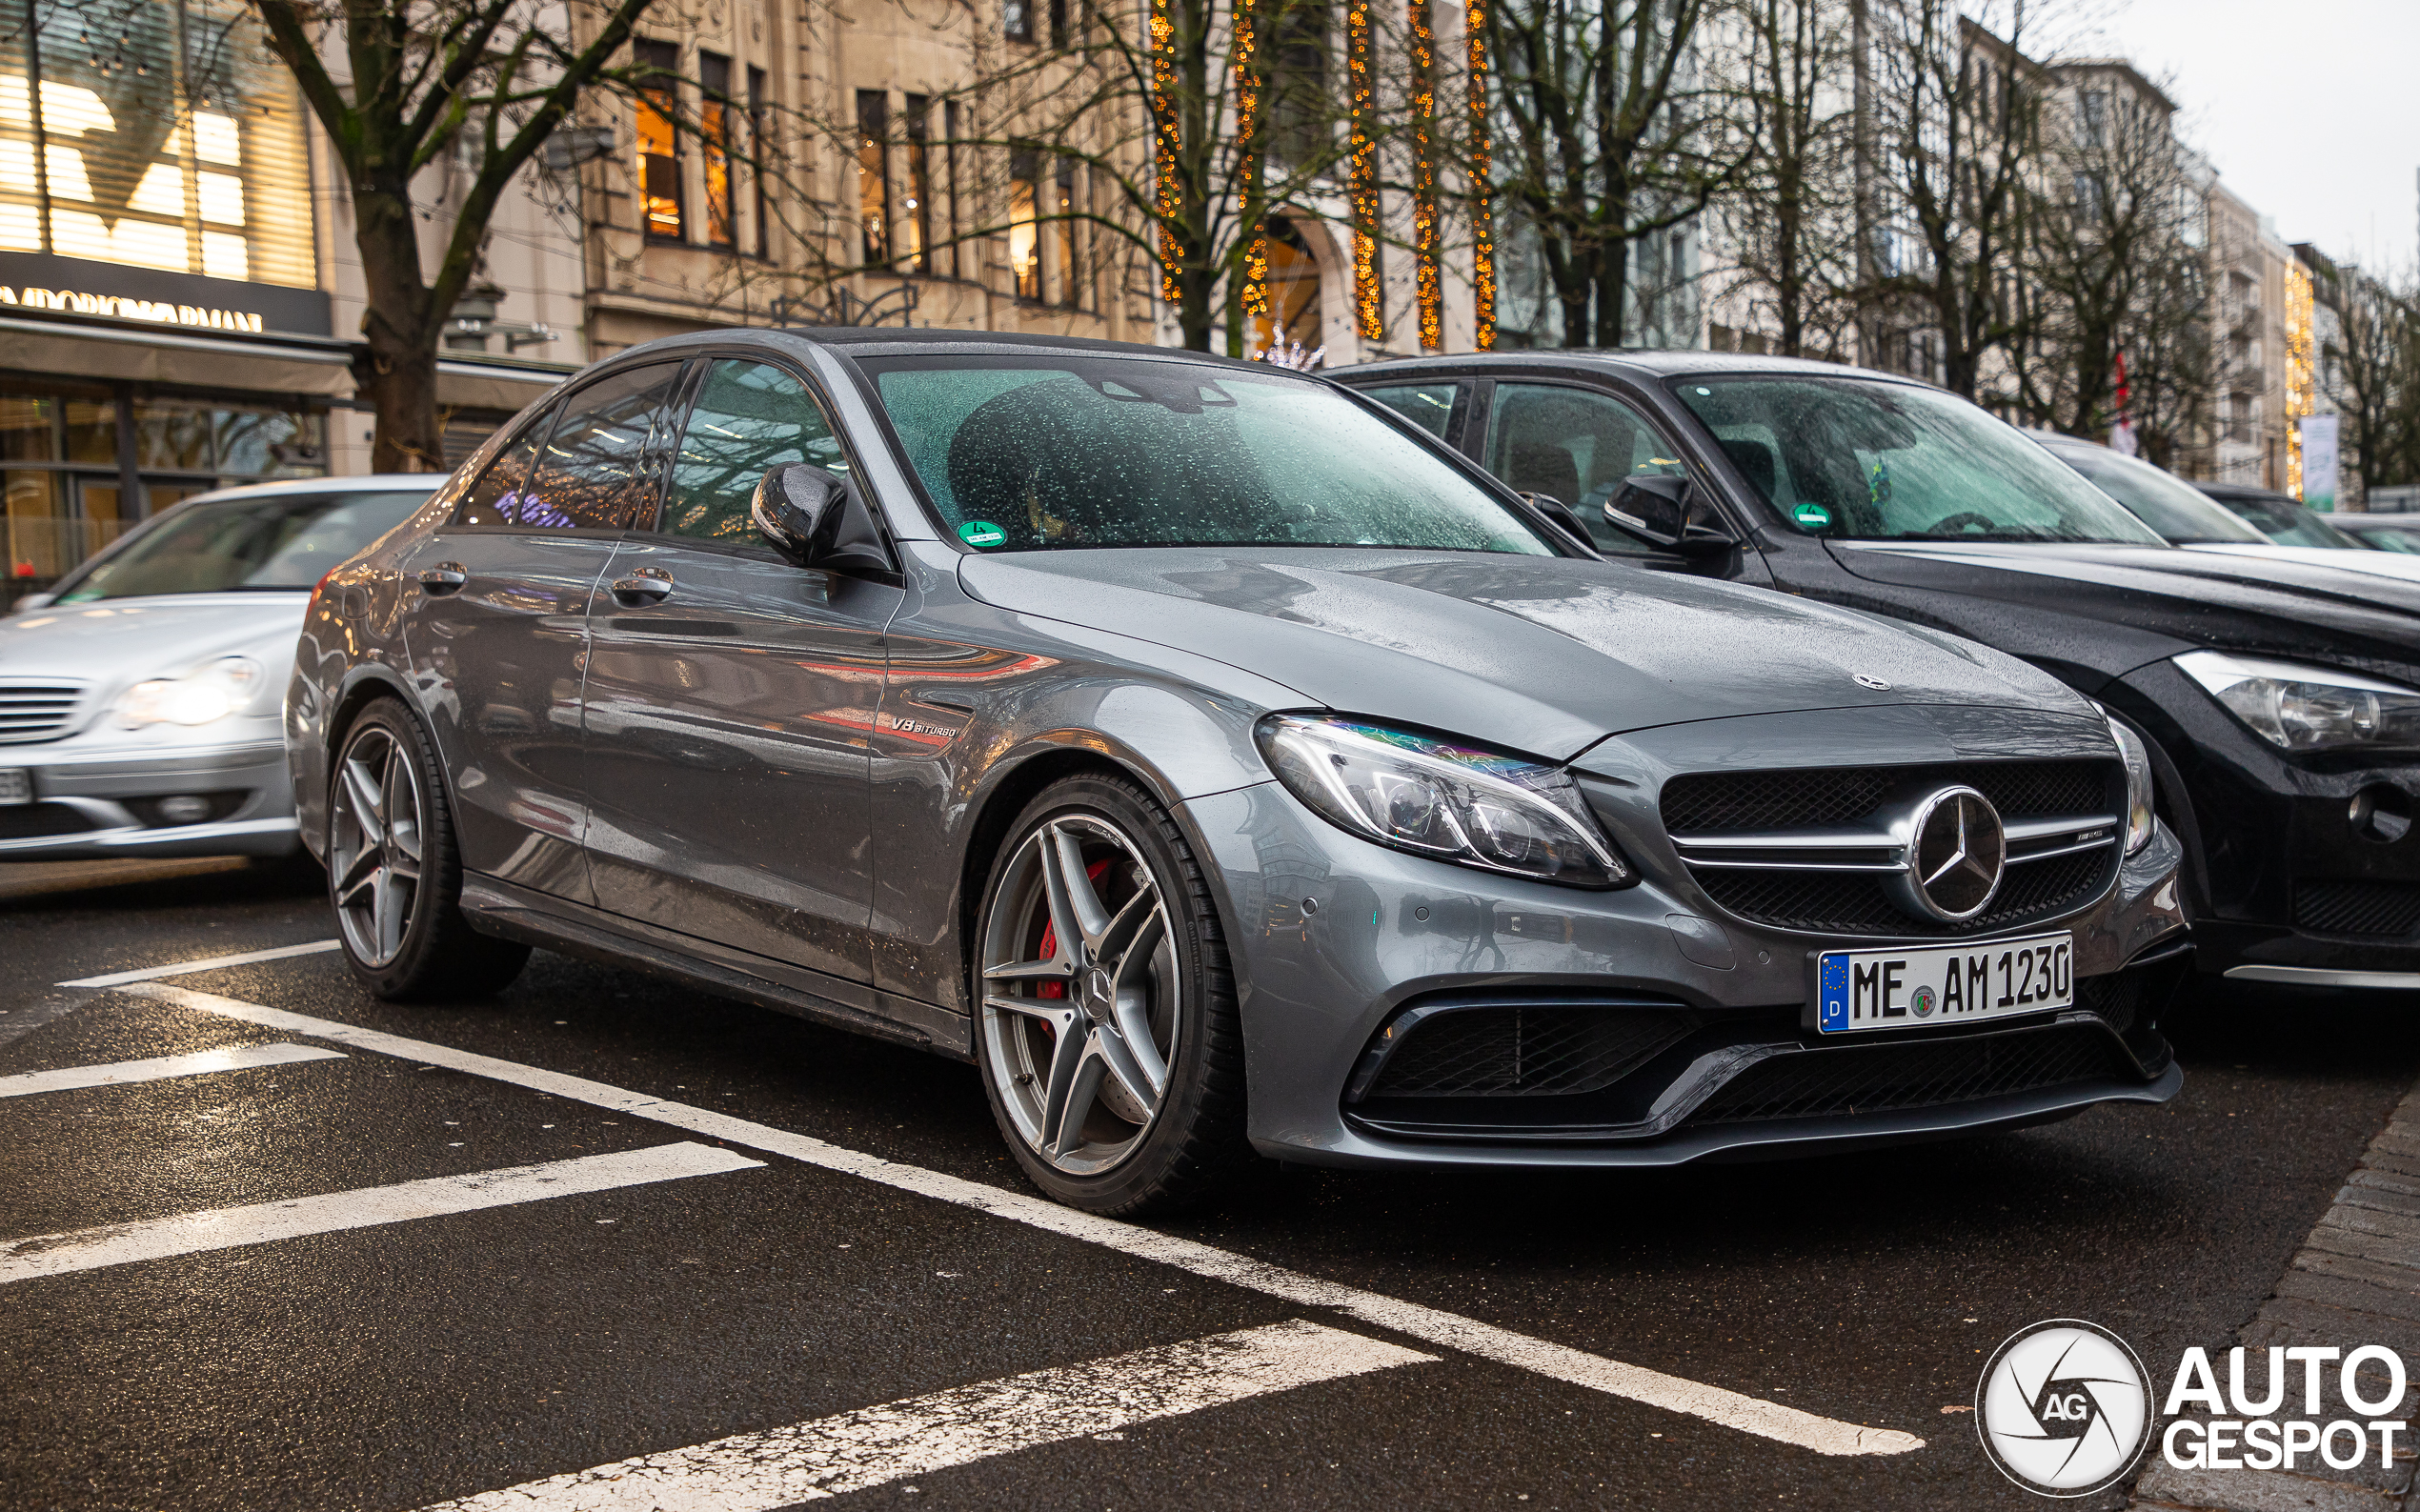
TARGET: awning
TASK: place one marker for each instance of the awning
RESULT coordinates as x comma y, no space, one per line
315,365
466,382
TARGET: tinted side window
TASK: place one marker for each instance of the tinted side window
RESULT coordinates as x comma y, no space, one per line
750,418
1426,405
1576,445
594,473
496,498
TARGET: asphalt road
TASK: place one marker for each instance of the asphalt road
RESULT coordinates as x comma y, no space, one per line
482,1347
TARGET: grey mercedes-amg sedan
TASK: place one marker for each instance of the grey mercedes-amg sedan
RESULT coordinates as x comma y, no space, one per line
1221,765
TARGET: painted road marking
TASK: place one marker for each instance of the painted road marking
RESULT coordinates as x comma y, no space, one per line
119,978
229,1227
201,1063
1717,1404
754,1472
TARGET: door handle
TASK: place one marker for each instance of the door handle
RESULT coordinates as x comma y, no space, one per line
442,578
648,585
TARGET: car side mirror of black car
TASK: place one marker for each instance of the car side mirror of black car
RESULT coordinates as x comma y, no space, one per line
1670,515
1563,517
816,520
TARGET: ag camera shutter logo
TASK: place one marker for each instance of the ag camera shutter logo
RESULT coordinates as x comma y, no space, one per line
2064,1408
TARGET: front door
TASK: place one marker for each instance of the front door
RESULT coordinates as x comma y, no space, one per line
497,624
730,695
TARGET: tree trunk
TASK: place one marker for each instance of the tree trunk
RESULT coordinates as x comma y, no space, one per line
398,376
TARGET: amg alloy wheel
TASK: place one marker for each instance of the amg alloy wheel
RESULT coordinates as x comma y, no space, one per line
1106,1023
393,874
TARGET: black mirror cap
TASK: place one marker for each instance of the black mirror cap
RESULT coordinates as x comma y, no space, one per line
1565,518
1670,515
816,520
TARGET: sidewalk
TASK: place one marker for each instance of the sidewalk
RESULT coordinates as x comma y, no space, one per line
2355,1280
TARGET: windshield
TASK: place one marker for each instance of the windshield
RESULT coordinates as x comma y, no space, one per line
278,541
1851,459
2288,523
1062,452
2388,538
2170,505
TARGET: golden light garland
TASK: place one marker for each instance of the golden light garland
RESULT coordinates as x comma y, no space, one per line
1165,131
2298,370
1428,284
1247,126
1369,301
1482,215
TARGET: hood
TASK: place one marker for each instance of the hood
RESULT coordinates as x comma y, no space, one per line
2099,612
2386,564
1542,655
113,642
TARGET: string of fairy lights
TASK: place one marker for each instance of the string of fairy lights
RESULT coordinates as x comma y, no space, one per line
1362,163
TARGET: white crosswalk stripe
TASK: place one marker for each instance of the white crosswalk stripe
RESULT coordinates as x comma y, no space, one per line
756,1472
200,1064
261,1222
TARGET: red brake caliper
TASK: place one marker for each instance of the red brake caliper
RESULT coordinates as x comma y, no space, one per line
1050,940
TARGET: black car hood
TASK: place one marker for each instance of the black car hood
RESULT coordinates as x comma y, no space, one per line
1543,656
2099,612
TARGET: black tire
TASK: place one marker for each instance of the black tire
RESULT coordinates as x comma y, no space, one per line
1175,993
398,916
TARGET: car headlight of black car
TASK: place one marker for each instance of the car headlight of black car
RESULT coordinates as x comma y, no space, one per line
2301,708
1443,799
2139,791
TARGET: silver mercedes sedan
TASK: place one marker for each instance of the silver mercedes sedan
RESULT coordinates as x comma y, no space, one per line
1221,765
138,698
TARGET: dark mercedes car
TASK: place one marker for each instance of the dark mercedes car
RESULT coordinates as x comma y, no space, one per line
1218,763
2280,699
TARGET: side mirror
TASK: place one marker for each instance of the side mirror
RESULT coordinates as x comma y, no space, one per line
1670,515
816,520
1563,517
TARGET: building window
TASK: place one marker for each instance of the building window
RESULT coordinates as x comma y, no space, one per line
873,175
170,138
658,140
1066,235
915,228
713,132
1016,20
1025,248
1059,24
762,151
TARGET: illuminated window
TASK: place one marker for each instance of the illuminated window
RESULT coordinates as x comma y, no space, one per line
713,131
1025,248
916,227
658,140
1065,234
170,140
873,175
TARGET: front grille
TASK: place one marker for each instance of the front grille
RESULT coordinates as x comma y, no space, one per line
1855,903
37,711
33,821
2116,997
1722,806
1881,1078
1524,1051
2358,908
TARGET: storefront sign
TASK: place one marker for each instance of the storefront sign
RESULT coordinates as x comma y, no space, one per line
33,282
31,297
2319,460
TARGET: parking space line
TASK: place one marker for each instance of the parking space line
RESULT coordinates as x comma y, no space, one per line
367,1207
119,978
756,1472
1716,1404
200,1064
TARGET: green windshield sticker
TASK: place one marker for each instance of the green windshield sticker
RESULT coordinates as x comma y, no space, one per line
981,533
1814,517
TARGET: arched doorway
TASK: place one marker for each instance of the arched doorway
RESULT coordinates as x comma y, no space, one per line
1294,317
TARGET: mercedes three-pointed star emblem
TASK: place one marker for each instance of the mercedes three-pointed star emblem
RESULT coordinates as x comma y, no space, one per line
1957,851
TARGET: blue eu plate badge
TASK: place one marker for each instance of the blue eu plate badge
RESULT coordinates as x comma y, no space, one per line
1832,991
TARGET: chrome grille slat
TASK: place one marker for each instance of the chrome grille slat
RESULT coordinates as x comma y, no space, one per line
45,711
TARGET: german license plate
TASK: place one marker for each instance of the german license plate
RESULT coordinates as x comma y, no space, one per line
1901,989
16,786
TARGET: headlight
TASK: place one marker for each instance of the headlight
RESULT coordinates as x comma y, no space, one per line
2301,708
1433,797
208,693
2139,791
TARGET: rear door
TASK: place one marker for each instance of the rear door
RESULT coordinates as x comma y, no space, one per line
496,629
730,696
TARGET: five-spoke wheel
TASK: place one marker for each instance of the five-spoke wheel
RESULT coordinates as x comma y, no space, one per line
376,816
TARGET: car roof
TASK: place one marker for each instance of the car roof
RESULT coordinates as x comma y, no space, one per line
2393,520
2247,491
355,483
881,341
1638,362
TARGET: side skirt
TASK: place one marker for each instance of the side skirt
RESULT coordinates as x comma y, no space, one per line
496,907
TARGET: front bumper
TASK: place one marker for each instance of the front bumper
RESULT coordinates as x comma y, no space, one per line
1389,931
94,796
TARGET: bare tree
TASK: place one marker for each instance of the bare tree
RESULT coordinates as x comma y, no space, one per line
2376,370
1791,222
1608,137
